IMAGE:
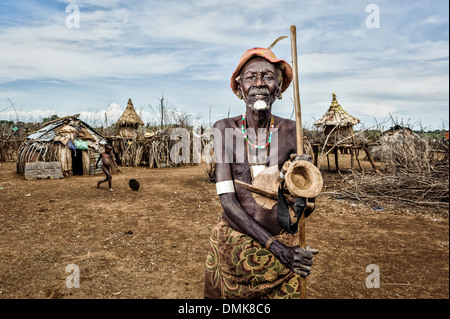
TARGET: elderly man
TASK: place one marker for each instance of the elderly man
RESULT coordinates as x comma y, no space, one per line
251,254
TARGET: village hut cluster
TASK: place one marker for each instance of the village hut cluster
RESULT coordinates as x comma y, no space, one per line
68,146
134,145
413,171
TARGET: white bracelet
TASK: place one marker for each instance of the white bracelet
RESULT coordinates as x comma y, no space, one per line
224,187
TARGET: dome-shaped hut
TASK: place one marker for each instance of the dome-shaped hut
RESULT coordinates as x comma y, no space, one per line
67,145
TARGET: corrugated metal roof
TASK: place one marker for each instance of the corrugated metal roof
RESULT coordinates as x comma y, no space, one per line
45,134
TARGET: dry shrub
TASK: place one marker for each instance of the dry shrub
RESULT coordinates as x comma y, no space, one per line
11,139
414,174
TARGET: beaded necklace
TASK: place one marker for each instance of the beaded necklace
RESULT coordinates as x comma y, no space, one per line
246,136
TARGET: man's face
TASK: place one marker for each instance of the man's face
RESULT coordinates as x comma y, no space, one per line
259,83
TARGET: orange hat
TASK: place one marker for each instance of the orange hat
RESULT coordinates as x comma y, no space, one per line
268,55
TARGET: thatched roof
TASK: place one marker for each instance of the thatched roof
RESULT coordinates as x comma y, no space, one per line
129,117
336,115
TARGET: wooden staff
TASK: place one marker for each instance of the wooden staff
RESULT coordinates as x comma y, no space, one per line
299,134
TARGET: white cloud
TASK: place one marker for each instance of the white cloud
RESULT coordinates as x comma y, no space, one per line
189,49
103,117
49,52
434,19
96,3
27,116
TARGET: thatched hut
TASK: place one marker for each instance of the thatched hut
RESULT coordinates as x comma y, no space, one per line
67,140
397,139
336,122
129,122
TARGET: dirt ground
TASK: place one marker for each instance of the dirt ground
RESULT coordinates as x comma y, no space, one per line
152,243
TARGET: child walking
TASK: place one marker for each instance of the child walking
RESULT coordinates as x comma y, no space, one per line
107,158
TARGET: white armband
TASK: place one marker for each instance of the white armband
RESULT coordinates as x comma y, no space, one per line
224,187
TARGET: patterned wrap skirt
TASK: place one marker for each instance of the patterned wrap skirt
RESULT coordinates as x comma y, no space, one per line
238,267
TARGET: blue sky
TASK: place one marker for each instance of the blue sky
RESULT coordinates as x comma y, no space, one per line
187,51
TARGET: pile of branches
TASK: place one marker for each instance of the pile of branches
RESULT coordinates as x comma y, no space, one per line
157,151
129,152
414,174
12,135
154,151
8,149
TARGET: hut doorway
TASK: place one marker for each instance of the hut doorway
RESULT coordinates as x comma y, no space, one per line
77,162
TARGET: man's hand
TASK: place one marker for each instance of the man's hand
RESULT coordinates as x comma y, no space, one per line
297,259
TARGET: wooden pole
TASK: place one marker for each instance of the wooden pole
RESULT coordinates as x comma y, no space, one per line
297,107
369,156
336,161
299,134
106,125
162,112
